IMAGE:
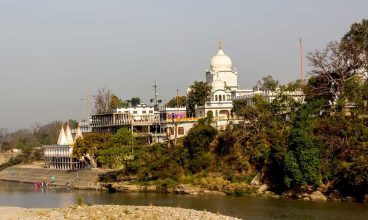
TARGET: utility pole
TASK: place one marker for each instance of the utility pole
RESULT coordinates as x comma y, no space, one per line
176,120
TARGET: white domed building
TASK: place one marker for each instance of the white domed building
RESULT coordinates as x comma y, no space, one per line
223,79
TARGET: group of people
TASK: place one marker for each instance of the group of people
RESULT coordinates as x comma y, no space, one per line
39,185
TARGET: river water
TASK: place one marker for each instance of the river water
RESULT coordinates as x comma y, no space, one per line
24,195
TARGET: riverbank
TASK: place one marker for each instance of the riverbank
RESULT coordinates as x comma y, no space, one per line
211,185
31,173
108,212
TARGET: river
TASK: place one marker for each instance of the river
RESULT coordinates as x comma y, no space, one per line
24,195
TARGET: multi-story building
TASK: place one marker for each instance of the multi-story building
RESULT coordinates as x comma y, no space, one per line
175,123
141,119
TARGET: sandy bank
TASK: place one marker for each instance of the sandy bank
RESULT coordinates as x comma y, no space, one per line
108,212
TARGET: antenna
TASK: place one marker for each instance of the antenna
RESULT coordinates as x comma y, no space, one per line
155,95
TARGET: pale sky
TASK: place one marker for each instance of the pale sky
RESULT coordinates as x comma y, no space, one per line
52,53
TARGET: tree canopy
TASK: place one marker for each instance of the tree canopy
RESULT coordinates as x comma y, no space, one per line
180,101
198,94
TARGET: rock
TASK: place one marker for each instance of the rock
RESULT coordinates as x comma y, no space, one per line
217,193
318,196
305,195
335,196
262,189
348,199
151,188
124,187
186,189
365,200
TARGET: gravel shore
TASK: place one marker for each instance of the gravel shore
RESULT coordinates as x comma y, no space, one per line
107,212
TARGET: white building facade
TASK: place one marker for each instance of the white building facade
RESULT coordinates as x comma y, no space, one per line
223,79
60,156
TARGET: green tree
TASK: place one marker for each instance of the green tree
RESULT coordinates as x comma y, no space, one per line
352,178
135,101
198,142
116,102
90,146
267,84
198,94
123,137
116,156
180,101
302,160
73,123
357,40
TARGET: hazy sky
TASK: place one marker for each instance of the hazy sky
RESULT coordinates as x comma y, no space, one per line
52,53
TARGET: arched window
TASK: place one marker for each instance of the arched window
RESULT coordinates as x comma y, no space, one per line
215,97
223,97
220,96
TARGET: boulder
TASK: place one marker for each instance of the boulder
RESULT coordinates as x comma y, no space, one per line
124,187
335,196
187,189
318,196
151,188
262,189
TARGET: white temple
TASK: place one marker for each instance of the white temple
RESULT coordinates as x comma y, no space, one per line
223,78
60,156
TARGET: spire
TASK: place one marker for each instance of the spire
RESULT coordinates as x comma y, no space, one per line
69,136
62,137
220,45
78,133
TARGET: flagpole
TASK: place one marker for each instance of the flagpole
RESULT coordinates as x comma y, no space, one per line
301,60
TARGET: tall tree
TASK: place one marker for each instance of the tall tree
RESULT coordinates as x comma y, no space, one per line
198,94
332,69
357,40
102,100
135,101
116,102
117,154
90,146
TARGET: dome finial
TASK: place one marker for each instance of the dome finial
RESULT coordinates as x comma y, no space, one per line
220,45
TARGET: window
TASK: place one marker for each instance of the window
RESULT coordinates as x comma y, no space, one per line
220,96
215,97
180,130
134,112
223,97
144,112
150,111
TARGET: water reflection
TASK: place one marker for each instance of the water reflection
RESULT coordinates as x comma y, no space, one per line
24,195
